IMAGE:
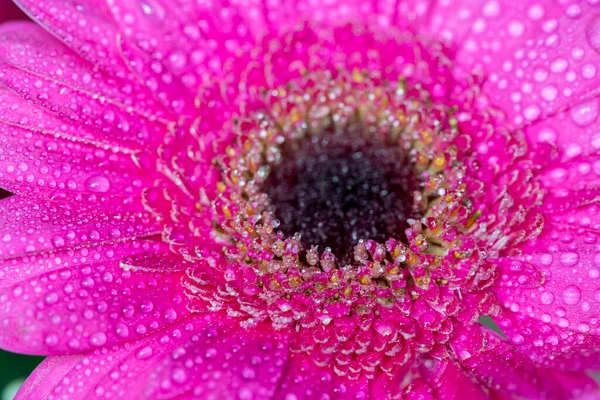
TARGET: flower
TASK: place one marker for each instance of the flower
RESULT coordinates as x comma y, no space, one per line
301,199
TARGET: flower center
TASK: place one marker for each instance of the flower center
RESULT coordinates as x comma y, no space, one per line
339,187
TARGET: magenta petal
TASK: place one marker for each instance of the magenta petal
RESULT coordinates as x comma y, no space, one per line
75,300
204,357
46,376
439,380
455,384
112,113
30,226
552,293
63,19
303,380
537,57
574,130
493,361
340,12
43,164
567,292
175,47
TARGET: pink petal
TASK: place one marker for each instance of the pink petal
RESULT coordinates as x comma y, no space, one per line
63,18
553,347
561,64
432,379
567,293
494,362
40,163
539,61
552,293
455,384
175,46
303,380
70,301
204,357
112,113
163,46
340,12
574,130
30,227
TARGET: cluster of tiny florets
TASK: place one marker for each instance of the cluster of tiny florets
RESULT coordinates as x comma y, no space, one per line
402,289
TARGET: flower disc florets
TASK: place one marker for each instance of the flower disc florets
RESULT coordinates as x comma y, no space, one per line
355,210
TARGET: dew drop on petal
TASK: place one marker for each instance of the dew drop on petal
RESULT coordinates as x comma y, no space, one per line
179,375
51,339
516,28
571,295
98,339
144,353
122,330
592,34
549,93
536,12
547,298
51,298
586,113
569,259
532,112
58,241
211,353
98,184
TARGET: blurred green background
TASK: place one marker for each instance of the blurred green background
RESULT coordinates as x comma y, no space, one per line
14,368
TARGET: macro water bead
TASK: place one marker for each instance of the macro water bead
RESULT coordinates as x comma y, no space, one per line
302,199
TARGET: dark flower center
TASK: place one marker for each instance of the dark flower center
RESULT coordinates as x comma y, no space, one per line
337,188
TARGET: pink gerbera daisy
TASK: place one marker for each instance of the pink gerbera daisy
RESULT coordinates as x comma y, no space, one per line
302,199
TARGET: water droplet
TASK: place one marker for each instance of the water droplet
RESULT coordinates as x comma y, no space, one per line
491,8
58,241
572,295
532,112
549,93
585,113
107,277
248,373
146,306
51,339
516,28
98,184
536,12
592,34
588,71
559,65
569,259
583,327
547,298
98,339
122,330
211,353
179,375
87,283
144,353
170,315
518,339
